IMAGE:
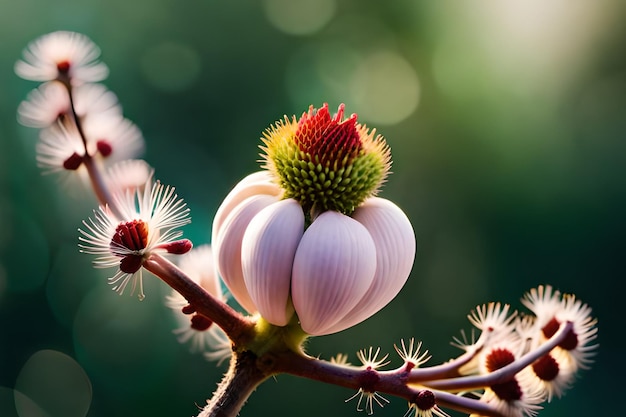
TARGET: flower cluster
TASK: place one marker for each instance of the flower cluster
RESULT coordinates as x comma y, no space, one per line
517,362
83,131
82,121
305,245
508,340
307,235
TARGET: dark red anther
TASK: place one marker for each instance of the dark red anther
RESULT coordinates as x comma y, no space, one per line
550,328
546,368
131,263
508,391
189,309
104,147
424,400
200,323
571,338
178,247
498,358
63,67
130,236
73,162
570,342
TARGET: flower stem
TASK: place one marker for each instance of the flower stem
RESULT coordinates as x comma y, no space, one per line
238,328
239,382
504,373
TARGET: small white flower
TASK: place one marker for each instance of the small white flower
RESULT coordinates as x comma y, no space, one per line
493,320
60,148
369,398
149,221
44,105
203,336
552,374
544,301
370,360
552,310
424,405
528,404
112,137
109,138
411,353
51,102
62,55
517,396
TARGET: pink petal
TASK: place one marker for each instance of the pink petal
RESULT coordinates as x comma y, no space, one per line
259,182
267,253
395,252
333,268
227,247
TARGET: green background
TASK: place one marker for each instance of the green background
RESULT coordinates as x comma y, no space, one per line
506,120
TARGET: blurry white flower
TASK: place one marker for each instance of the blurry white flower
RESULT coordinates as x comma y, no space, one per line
553,309
51,102
128,175
67,56
203,335
44,105
108,138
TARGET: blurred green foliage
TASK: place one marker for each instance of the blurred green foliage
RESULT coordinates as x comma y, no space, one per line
507,124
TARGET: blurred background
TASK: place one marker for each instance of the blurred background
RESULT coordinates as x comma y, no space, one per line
506,120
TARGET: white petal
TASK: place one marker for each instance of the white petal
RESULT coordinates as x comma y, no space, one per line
333,268
395,252
227,247
44,105
259,182
267,253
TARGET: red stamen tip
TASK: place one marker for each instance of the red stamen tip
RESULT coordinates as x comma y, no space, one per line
498,358
73,162
104,147
189,309
546,368
131,264
424,400
178,247
63,67
200,323
328,138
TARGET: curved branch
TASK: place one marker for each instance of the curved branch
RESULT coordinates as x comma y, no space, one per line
238,327
505,373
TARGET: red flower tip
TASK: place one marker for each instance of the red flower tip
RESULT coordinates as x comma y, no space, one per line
424,400
200,323
73,162
131,236
328,138
63,67
178,247
498,358
131,263
104,147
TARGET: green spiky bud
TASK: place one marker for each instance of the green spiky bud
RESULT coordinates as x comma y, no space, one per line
324,162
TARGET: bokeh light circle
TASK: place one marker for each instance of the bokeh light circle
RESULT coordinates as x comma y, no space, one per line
117,337
385,88
56,383
299,17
